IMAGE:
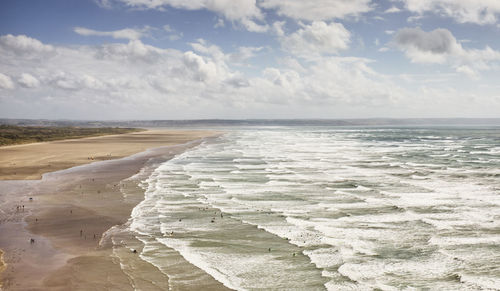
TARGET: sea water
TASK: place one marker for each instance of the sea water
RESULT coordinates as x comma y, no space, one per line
312,208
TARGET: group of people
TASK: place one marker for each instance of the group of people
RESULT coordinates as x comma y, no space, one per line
21,207
85,236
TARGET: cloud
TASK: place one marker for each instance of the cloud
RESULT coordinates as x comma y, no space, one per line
352,81
6,82
134,51
203,47
316,39
201,69
333,81
136,80
244,12
123,75
244,53
103,3
28,81
219,23
167,28
463,11
127,33
319,9
248,13
393,9
426,47
173,34
277,28
467,71
251,25
22,44
440,46
75,81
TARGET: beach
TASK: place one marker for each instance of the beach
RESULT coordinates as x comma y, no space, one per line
268,208
56,229
30,161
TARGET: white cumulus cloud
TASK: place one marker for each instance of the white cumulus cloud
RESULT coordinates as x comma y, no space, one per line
244,53
440,46
316,39
463,11
427,47
137,80
244,12
28,81
22,44
393,9
127,33
6,82
319,9
201,69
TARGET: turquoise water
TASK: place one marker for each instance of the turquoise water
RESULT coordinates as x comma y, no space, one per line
311,208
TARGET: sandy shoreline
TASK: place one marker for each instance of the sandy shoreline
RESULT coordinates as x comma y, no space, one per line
72,211
30,161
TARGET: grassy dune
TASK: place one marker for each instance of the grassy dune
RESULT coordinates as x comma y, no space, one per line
12,134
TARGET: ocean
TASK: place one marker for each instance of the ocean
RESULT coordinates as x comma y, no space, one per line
336,208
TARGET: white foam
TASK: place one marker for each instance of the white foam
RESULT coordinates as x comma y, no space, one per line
483,282
454,241
370,272
324,257
200,260
342,194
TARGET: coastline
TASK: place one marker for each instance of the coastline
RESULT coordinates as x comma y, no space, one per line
31,161
73,217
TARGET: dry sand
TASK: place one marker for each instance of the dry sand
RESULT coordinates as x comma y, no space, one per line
72,211
30,161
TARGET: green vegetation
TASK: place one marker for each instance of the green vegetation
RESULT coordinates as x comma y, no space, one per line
12,134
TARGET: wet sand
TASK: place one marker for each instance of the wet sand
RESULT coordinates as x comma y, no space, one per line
78,217
2,265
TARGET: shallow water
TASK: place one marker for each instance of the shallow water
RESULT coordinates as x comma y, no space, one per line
331,208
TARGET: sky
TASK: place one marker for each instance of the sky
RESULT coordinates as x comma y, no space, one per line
245,59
